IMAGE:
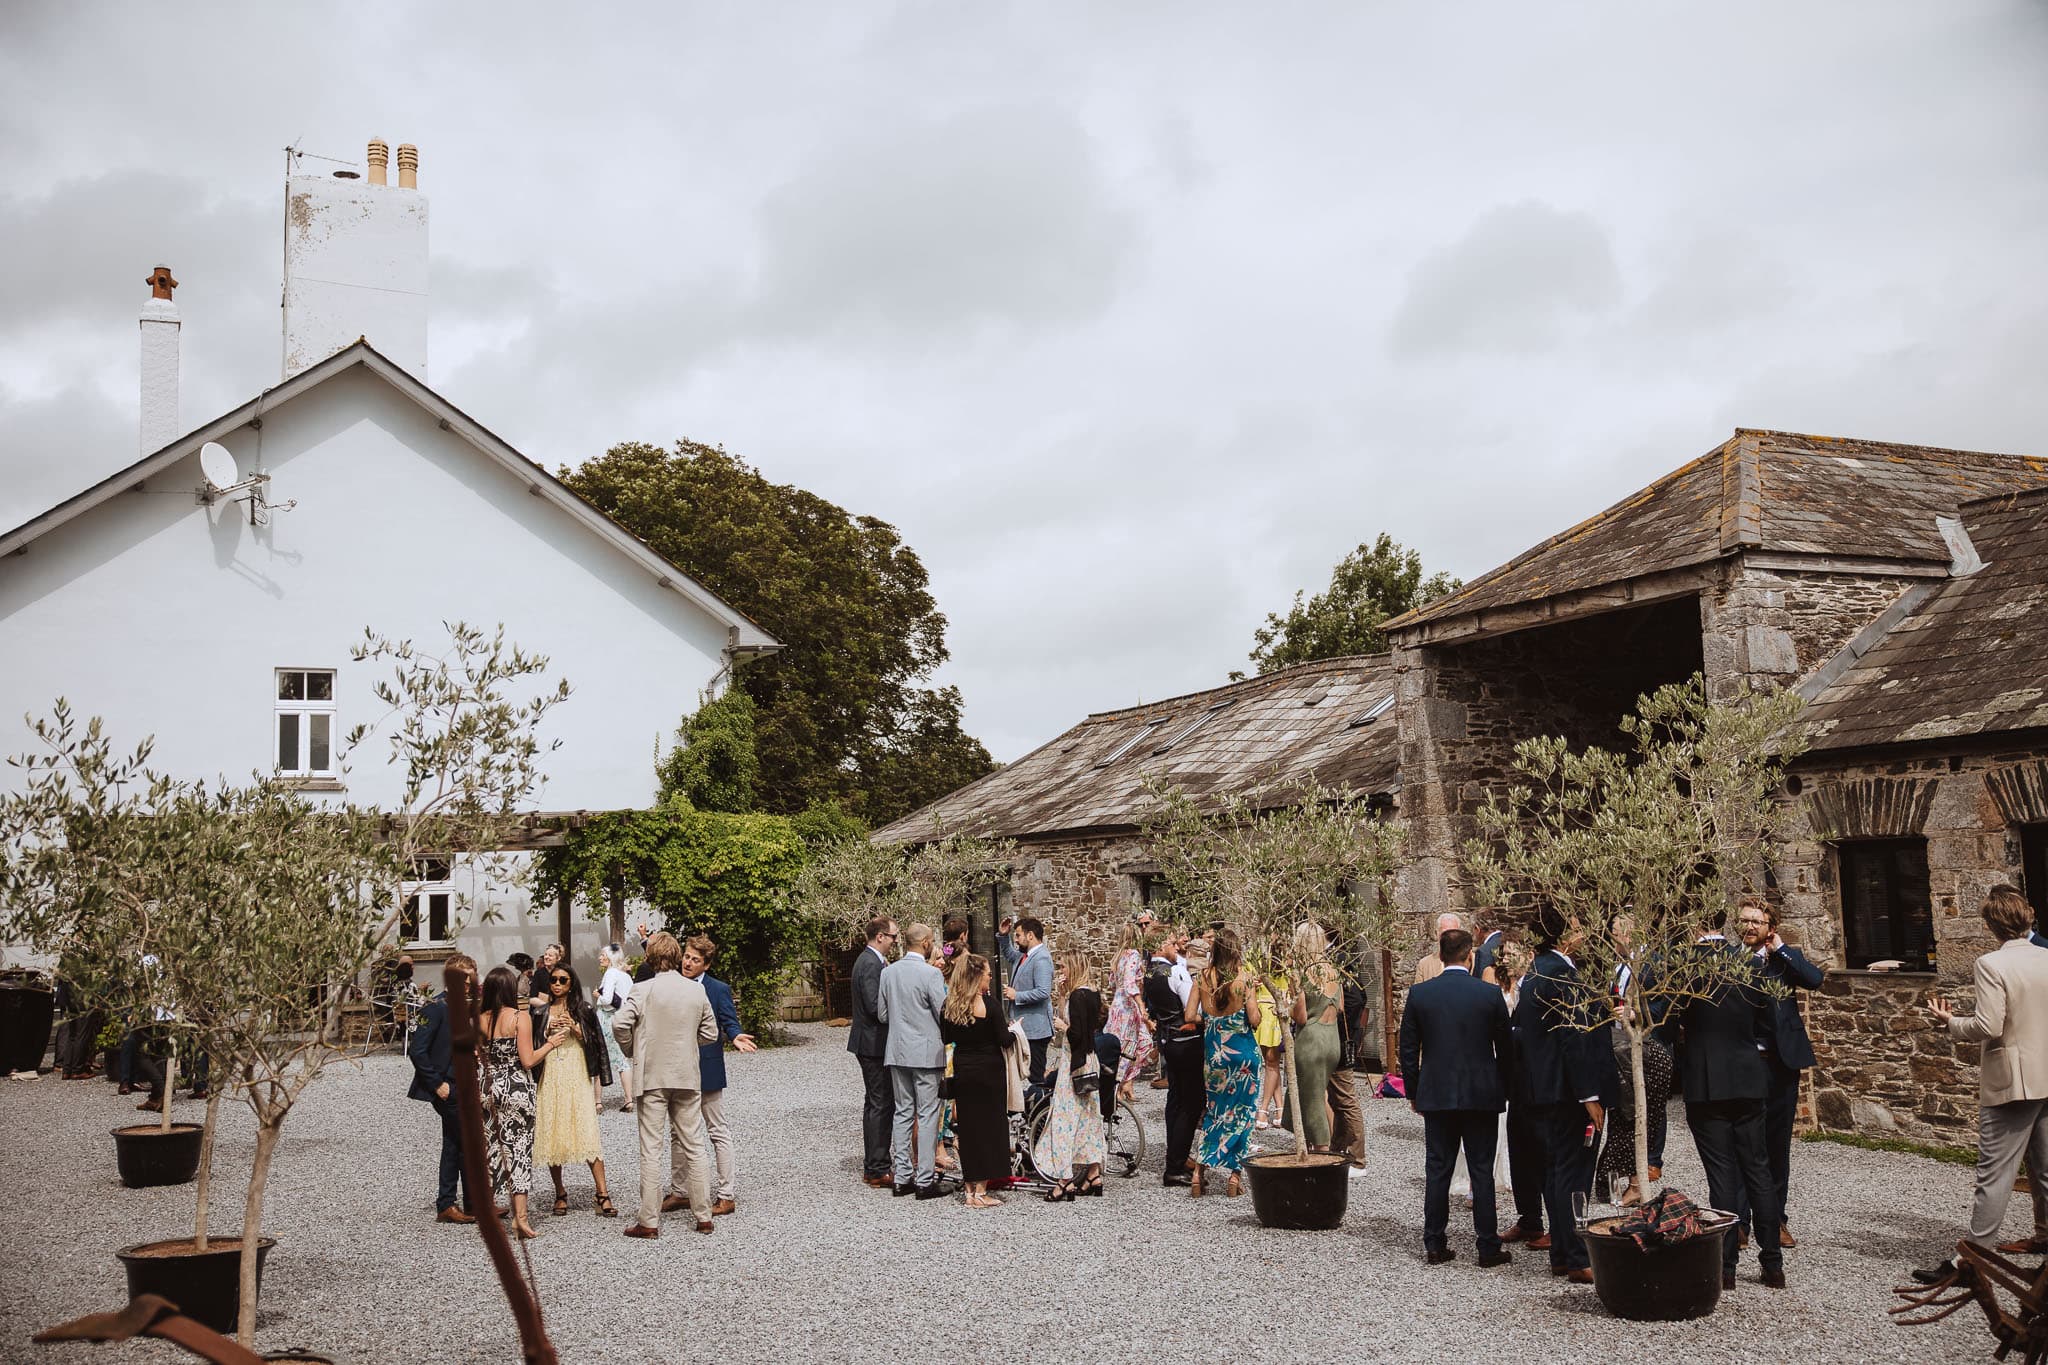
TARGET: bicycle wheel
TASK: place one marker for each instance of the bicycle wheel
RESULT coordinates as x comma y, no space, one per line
1127,1138
1033,1130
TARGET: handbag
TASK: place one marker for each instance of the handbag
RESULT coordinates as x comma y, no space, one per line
1085,1084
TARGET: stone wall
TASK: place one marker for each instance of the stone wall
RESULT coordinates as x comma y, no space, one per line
1883,1066
1082,888
1771,626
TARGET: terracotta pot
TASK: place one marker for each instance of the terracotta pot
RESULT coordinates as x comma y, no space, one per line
206,1285
1311,1196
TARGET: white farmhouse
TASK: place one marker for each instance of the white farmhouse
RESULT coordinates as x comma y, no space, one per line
222,626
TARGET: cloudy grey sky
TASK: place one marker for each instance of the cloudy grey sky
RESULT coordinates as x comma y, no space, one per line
1133,317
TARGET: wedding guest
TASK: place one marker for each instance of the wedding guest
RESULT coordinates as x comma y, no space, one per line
432,1061
1127,1017
612,989
537,982
1431,963
508,1062
1787,1050
565,1098
1073,1144
1030,990
1317,1043
1271,1056
1560,1076
1224,1004
912,999
868,1040
952,944
1180,1055
1456,1047
662,1029
972,1023
697,955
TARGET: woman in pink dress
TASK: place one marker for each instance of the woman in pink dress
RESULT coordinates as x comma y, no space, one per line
1127,1009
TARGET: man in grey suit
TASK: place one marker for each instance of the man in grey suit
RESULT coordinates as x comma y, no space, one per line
867,1040
1030,988
912,995
660,1028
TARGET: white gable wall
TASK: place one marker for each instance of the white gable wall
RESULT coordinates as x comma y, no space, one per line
171,621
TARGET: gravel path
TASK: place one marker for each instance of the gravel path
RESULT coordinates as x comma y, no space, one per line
816,1266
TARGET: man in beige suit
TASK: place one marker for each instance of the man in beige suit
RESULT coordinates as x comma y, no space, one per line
1431,964
659,1028
2011,1022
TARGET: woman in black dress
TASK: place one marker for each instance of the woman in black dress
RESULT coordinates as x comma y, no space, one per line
973,1023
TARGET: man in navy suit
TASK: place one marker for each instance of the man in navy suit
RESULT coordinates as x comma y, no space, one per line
432,1060
868,1040
697,955
1564,1071
1787,1050
1723,1033
1455,1053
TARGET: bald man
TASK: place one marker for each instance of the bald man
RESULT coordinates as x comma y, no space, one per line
1432,965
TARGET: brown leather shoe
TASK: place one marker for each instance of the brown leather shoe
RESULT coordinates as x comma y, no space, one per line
1774,1279
674,1203
1742,1239
636,1230
1518,1233
878,1182
1785,1237
722,1207
1580,1276
1727,1279
1656,1173
451,1214
707,1226
1540,1242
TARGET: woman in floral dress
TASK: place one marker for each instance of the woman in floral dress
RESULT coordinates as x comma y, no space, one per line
1230,1055
1127,1011
509,1055
1073,1145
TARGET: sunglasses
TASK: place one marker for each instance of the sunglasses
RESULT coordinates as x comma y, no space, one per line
561,980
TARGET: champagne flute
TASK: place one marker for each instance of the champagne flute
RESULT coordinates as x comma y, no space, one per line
1580,1216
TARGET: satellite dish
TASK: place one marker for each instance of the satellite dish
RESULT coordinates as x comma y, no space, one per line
218,464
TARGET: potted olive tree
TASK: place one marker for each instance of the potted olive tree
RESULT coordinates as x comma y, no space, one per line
1270,861
1643,850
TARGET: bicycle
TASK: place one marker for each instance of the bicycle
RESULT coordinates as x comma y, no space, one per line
1123,1131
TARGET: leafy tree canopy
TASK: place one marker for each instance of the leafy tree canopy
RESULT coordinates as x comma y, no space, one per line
1370,585
839,712
714,765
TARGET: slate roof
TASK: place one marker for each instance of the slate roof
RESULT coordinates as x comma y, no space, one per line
1274,729
1763,490
1968,660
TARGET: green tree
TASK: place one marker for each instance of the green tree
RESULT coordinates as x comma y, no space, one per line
1642,851
1370,585
842,703
714,765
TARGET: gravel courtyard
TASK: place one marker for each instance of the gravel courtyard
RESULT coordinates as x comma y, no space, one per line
816,1266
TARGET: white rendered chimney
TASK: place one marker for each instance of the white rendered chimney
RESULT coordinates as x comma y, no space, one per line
355,263
160,324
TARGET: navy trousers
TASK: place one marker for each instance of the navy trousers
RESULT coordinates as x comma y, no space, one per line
451,1156
1569,1170
1181,1059
1730,1136
1443,1133
1527,1165
877,1117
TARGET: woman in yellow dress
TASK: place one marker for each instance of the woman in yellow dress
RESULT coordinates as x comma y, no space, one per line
565,1119
1267,1036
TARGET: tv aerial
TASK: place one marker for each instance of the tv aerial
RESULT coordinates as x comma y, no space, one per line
224,481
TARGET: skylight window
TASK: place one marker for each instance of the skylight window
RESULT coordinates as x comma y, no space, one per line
1373,712
1197,723
1144,732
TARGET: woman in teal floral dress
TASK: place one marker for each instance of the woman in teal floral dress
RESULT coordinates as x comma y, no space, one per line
1230,1055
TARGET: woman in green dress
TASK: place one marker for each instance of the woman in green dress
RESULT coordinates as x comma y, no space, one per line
1318,1045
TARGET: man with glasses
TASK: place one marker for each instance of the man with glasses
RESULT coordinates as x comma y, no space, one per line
1786,1048
868,1040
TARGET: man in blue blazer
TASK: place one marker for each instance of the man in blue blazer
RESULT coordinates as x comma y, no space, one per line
1030,988
1456,1049
432,1058
697,955
1723,1033
868,1039
1787,1050
1564,1072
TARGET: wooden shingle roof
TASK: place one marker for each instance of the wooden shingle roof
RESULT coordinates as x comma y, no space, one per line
1332,720
1968,660
1760,490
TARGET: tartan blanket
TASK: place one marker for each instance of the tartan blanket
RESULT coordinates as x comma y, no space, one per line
1667,1220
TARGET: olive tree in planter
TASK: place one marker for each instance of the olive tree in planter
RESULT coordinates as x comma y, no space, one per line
1642,851
1267,861
850,881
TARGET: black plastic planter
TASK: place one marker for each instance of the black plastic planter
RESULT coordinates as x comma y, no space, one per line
147,1155
26,1013
1311,1196
205,1285
1662,1284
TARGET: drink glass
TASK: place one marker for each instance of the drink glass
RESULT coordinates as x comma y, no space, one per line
1580,1216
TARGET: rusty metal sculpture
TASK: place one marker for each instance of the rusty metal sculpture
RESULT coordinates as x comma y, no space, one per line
149,1316
462,1038
1978,1277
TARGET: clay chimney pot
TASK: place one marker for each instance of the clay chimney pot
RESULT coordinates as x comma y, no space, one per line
380,157
408,166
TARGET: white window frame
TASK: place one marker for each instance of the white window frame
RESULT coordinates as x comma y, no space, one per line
438,880
303,711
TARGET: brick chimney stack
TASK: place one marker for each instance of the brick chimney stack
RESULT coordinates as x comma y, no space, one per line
160,327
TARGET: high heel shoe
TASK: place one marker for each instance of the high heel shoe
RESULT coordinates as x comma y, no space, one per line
1094,1190
1195,1187
1062,1193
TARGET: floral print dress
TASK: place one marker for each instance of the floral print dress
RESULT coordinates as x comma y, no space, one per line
1073,1134
1127,1015
1230,1079
509,1115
